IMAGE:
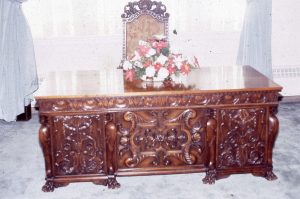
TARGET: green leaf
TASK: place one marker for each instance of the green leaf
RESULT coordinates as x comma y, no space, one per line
165,52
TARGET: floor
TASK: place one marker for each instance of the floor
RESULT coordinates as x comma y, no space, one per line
22,171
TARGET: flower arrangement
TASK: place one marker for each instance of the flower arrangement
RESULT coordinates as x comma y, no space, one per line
154,61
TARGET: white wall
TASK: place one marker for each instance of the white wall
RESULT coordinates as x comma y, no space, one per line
286,45
211,47
76,34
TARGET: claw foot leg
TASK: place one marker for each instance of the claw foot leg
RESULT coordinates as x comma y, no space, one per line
210,177
112,183
48,187
270,176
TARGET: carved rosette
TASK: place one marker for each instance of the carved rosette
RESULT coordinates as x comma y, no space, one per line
242,138
161,138
138,102
78,145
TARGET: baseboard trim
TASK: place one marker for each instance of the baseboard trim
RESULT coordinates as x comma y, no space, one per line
290,99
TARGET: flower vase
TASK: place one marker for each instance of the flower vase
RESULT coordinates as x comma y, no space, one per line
149,82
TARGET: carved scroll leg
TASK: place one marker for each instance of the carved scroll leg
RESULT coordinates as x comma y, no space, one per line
44,139
111,135
211,173
273,131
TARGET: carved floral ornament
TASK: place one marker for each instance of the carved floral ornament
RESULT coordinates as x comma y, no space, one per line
162,138
242,140
154,8
79,152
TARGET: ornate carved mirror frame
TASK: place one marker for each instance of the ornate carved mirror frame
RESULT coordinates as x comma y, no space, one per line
134,10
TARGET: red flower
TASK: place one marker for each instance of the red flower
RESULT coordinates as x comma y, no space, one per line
129,75
171,69
147,63
157,66
185,68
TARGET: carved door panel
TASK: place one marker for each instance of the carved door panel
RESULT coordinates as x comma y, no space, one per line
241,138
161,138
78,145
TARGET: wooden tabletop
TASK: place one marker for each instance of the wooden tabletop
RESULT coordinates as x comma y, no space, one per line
110,82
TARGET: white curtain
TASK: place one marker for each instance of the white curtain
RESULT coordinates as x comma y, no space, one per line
87,34
18,76
255,42
61,18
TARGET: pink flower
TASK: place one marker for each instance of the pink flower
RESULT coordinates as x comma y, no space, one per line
147,63
129,75
160,45
157,66
170,61
143,51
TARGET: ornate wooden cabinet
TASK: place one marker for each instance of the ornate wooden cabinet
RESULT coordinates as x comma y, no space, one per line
90,135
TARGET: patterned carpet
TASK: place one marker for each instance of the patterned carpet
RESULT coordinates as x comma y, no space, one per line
22,171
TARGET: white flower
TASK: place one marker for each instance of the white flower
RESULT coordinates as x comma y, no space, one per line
136,56
150,71
193,62
151,52
127,65
143,43
144,78
162,74
138,64
160,37
180,79
162,59
178,61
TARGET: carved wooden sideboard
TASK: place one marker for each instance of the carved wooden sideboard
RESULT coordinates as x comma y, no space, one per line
95,126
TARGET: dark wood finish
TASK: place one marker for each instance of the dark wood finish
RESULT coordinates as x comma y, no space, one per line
26,115
111,134
89,133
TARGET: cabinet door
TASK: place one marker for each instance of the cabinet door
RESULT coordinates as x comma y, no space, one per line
241,139
161,138
78,145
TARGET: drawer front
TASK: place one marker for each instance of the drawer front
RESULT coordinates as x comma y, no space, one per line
78,145
161,138
241,139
